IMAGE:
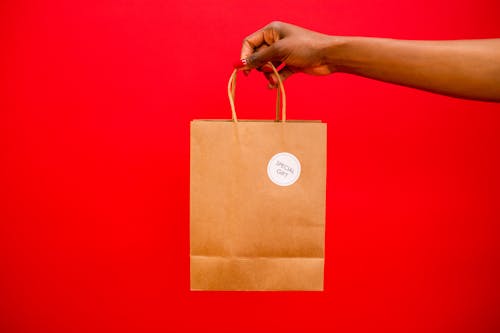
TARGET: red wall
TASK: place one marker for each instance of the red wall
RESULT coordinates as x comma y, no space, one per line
95,103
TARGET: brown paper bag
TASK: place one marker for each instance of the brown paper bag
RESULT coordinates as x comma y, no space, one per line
257,203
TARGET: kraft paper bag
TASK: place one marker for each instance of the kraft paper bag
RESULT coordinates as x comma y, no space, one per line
257,203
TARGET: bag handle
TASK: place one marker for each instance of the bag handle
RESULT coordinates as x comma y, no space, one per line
280,96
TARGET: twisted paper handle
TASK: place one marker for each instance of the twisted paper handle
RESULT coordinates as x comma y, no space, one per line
280,96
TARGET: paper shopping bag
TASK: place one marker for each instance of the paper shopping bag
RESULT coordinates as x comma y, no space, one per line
257,203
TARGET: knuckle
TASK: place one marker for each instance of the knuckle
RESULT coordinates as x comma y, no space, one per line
246,41
276,25
253,60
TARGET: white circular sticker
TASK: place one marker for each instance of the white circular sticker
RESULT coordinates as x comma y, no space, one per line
283,169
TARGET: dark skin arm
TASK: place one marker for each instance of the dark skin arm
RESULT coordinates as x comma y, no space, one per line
460,68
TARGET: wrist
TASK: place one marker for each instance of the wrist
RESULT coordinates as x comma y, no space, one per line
336,54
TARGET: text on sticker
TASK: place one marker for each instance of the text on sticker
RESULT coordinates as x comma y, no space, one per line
282,167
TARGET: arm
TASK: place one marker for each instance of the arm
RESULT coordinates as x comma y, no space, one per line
459,68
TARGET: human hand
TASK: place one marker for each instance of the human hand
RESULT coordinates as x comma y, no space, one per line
459,68
299,49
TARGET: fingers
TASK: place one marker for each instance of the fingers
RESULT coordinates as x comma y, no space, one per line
285,73
264,55
254,48
265,67
263,47
251,43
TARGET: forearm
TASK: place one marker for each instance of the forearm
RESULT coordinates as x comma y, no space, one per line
462,68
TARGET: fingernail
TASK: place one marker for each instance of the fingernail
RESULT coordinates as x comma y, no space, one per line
240,63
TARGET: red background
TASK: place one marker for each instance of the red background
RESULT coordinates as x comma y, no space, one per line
95,103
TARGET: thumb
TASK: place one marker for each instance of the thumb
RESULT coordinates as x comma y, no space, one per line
264,55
